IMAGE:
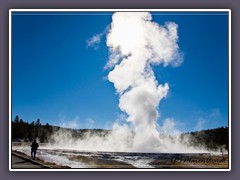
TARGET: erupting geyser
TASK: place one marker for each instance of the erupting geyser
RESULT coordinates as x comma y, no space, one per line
136,43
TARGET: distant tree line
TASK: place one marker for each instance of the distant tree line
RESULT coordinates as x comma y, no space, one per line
211,138
24,131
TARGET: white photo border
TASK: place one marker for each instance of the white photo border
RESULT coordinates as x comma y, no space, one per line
119,10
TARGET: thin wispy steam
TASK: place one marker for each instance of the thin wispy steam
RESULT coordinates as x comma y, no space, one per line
89,123
69,123
95,40
200,124
215,113
169,127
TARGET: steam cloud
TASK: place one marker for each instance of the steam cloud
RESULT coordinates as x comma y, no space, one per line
136,43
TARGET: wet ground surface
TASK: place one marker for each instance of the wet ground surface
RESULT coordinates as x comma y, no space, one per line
125,160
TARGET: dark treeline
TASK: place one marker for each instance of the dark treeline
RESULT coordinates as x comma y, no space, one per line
211,138
24,131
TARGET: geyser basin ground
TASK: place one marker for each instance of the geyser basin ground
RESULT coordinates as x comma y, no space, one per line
125,160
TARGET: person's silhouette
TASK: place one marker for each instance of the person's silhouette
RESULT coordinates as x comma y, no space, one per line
34,147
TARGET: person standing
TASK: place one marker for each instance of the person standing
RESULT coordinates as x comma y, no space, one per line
34,147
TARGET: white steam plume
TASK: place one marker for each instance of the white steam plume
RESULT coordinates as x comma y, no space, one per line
136,43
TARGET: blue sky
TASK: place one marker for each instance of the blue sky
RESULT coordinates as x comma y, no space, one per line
58,78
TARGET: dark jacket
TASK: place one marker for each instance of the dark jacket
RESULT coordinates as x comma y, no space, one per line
34,146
